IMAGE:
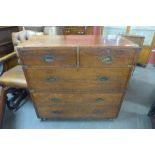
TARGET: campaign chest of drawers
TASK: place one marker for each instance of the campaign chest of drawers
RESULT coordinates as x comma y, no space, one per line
75,76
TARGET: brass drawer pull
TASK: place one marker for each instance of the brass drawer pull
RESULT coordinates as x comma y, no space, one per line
48,58
57,112
99,100
103,78
106,59
55,99
52,79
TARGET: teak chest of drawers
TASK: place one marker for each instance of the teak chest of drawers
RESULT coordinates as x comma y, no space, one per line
77,76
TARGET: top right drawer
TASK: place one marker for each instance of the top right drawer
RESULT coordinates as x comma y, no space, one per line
106,57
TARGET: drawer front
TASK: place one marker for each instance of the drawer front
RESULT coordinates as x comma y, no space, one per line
78,112
88,86
55,57
104,57
77,80
85,99
81,74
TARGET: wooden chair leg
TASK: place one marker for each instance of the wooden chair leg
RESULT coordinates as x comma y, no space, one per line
2,104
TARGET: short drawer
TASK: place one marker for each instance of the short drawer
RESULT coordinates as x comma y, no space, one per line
83,99
109,79
105,57
55,57
78,112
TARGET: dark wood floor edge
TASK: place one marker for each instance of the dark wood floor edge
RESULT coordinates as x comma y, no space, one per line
2,105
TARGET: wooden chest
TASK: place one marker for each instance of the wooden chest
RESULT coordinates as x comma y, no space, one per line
77,76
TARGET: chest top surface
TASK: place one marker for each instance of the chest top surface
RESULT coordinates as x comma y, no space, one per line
78,40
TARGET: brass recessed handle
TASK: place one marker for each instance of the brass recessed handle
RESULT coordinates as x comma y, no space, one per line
99,100
52,79
106,59
48,58
103,78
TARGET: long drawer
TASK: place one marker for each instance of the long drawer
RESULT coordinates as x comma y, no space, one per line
81,99
84,79
77,57
72,112
81,74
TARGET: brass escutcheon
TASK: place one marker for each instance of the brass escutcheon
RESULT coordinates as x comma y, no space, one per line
106,59
103,78
52,79
99,100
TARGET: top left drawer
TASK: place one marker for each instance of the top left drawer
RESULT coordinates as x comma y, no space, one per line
50,57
